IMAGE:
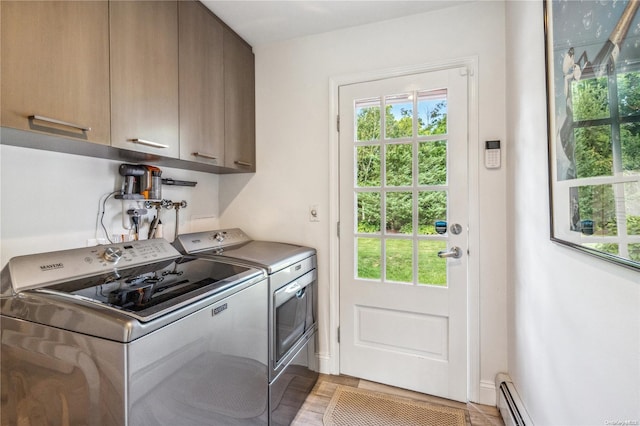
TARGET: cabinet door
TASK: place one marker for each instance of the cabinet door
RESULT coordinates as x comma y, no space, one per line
144,76
239,82
55,66
201,85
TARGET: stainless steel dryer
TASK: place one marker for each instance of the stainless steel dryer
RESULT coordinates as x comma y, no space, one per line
293,282
133,334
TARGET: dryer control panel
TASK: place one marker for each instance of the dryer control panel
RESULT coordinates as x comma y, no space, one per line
210,240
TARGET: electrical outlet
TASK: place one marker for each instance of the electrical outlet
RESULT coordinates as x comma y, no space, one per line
314,215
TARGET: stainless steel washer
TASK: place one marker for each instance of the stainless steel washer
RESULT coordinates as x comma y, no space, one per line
133,334
293,287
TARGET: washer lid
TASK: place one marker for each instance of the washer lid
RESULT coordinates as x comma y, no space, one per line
270,255
233,243
133,302
154,290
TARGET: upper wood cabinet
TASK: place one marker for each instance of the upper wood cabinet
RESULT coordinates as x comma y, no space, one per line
201,84
144,76
55,68
162,77
239,101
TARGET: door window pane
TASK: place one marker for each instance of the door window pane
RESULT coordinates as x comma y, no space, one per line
432,207
398,163
368,165
432,270
432,112
399,260
399,116
368,119
432,163
399,208
386,190
368,212
369,255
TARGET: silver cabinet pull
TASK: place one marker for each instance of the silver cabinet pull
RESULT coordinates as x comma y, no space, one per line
205,155
149,143
455,253
243,163
56,121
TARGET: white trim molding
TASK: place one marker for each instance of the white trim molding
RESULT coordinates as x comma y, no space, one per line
488,395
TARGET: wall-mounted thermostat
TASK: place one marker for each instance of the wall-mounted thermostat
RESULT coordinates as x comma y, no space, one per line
492,154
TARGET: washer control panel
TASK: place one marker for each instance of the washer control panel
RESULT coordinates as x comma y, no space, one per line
43,269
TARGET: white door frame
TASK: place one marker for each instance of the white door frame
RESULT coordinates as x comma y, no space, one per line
331,364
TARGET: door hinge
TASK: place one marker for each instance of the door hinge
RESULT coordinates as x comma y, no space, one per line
338,334
338,123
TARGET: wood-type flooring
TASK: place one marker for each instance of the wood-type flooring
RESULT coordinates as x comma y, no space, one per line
312,411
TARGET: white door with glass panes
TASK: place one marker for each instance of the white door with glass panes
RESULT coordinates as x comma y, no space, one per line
403,231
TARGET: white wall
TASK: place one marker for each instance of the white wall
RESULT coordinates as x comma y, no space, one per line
293,131
574,320
50,201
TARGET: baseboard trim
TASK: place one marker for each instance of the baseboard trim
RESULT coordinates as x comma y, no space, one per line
487,392
325,364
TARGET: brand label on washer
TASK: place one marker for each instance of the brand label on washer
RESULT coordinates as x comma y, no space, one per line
51,266
219,309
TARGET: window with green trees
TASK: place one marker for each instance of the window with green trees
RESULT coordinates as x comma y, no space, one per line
606,128
401,185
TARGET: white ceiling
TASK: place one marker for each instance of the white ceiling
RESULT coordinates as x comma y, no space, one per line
265,21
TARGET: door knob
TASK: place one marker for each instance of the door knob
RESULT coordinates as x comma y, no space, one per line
454,252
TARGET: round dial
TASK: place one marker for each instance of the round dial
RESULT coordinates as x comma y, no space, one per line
112,254
219,237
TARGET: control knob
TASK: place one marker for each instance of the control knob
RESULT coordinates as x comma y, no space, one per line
112,254
218,236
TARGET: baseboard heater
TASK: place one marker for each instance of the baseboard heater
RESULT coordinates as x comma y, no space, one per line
509,403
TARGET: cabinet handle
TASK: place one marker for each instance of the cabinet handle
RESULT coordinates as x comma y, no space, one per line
205,155
149,143
63,123
243,163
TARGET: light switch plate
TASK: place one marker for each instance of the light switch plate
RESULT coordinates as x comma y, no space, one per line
314,215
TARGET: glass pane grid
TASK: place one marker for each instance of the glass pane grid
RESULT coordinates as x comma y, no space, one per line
605,150
406,251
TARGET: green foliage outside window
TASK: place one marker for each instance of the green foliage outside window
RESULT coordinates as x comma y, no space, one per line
432,168
598,122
